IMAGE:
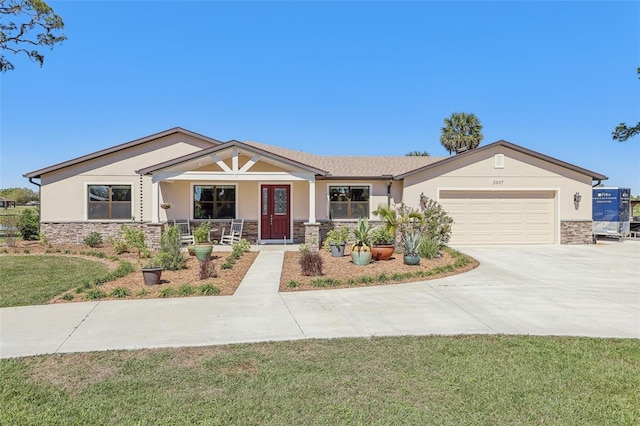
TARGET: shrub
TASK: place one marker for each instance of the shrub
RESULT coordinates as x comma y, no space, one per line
135,238
94,239
429,248
120,292
186,290
311,263
382,277
325,282
120,246
437,222
226,265
209,289
29,225
293,284
67,296
143,292
241,246
166,292
170,256
95,293
202,232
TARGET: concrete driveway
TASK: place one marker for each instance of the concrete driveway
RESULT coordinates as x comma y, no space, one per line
540,290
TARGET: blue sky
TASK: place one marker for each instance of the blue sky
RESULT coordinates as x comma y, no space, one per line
346,78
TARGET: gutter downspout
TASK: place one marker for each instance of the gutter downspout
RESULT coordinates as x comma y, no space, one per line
599,182
31,181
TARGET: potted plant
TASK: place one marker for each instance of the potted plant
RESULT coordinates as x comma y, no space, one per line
360,251
152,271
382,243
202,246
336,240
411,241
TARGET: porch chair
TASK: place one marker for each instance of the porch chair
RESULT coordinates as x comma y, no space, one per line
186,237
234,234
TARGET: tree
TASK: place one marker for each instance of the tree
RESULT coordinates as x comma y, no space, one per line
622,132
417,154
19,195
461,131
17,36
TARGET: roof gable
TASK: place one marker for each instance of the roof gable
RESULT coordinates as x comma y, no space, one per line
246,149
510,145
38,173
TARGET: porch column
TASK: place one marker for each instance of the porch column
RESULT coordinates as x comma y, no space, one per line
312,200
155,197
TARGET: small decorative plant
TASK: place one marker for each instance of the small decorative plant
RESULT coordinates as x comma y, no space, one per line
411,241
94,239
310,262
201,233
360,251
153,263
361,233
382,236
336,240
337,236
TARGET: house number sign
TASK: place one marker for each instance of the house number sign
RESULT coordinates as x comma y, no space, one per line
498,182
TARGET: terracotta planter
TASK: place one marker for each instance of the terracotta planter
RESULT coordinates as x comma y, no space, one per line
382,252
203,251
151,276
411,260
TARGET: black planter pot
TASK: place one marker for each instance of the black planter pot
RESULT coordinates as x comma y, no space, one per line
151,276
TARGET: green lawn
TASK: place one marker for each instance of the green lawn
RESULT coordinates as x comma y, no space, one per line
474,380
33,279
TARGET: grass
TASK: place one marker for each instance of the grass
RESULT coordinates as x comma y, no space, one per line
34,279
468,380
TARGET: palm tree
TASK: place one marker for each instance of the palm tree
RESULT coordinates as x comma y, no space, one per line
461,131
417,154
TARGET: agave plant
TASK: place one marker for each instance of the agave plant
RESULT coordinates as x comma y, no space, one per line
361,233
411,241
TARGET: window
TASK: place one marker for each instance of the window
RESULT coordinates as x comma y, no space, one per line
348,202
214,202
109,202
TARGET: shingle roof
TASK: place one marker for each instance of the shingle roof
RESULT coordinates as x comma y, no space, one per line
353,166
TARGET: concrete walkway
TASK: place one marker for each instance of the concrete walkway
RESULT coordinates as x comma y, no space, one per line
264,275
589,290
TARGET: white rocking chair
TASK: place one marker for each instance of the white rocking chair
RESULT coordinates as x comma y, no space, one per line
234,234
186,238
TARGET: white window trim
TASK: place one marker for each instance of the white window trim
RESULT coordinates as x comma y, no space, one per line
217,183
329,185
109,183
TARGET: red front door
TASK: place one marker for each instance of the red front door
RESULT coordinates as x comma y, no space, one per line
275,217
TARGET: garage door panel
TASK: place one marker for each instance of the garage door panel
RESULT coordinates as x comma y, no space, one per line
501,217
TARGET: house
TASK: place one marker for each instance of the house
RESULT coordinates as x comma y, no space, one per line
500,193
6,203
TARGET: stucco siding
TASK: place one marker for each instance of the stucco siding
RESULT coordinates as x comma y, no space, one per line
63,192
520,173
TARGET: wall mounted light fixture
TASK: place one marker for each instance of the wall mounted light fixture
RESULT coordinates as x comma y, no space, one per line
577,197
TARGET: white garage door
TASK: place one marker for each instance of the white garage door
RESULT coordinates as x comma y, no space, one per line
501,217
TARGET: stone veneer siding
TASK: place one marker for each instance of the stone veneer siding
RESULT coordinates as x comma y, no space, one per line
576,232
76,232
